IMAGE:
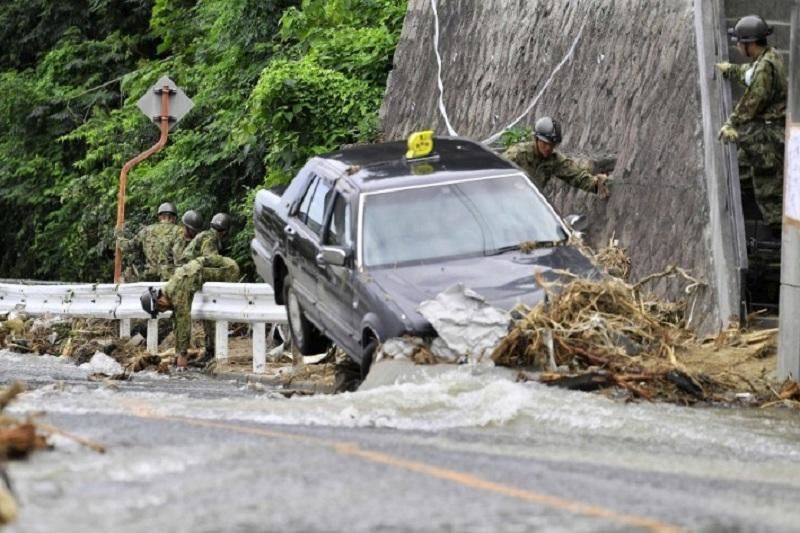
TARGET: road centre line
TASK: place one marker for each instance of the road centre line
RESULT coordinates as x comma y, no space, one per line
468,480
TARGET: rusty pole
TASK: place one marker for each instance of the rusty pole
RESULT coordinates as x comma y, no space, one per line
123,175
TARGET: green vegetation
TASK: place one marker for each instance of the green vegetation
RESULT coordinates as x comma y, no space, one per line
515,135
273,82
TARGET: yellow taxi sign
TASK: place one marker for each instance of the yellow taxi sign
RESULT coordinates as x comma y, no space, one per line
420,144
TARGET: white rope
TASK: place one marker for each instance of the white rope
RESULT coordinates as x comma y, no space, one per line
541,91
442,109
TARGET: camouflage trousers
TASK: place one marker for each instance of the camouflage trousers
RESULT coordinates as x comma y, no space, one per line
133,274
761,152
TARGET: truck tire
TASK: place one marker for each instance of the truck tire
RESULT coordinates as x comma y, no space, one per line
305,336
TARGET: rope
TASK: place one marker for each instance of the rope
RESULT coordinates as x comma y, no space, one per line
442,109
535,101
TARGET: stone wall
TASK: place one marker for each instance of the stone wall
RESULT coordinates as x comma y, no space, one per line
631,90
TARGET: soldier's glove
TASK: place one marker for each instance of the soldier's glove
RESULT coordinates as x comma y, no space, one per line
728,134
725,68
603,183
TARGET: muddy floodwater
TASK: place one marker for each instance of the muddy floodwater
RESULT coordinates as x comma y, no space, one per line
197,454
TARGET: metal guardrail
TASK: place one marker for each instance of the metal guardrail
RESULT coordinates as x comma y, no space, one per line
222,303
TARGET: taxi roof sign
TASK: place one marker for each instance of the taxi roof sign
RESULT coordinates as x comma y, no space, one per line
420,144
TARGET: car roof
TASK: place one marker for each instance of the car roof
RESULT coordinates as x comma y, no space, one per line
376,167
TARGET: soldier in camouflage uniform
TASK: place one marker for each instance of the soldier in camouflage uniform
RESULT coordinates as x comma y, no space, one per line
177,296
541,162
758,122
208,242
192,225
153,248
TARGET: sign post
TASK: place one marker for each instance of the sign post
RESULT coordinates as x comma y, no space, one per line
163,97
789,319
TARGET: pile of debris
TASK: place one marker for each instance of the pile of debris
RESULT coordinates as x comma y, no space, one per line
611,335
591,335
20,437
93,343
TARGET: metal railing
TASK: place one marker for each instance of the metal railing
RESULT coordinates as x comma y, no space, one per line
222,303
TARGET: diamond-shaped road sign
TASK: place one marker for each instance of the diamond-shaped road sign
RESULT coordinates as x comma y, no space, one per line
179,103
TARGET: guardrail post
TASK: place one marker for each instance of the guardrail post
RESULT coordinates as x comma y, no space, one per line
221,339
152,336
259,347
125,328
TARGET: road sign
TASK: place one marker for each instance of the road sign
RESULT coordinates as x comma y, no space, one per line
179,103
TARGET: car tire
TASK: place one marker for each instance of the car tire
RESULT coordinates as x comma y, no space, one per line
368,354
306,338
347,374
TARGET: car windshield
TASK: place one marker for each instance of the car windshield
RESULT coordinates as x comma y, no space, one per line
476,217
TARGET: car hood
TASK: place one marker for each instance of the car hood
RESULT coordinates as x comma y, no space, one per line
504,280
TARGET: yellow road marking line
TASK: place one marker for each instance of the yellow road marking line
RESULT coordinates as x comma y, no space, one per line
461,478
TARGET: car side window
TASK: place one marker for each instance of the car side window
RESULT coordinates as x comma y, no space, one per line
316,208
339,230
302,212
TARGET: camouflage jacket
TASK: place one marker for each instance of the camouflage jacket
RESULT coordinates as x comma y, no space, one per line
764,98
204,244
156,243
541,170
186,281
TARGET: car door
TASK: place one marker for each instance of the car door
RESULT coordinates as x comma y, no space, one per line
303,233
334,282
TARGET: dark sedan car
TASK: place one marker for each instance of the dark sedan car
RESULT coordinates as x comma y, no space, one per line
365,234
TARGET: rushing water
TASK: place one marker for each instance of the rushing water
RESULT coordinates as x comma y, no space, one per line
460,411
458,399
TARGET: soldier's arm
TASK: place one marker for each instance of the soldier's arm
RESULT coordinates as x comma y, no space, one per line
177,249
737,73
209,246
756,97
131,244
187,253
574,174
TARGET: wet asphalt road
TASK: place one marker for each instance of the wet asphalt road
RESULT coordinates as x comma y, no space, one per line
463,452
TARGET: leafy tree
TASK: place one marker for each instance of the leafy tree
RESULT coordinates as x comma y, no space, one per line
273,82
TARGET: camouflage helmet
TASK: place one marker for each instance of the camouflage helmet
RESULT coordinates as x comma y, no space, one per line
750,29
149,301
548,130
167,208
192,220
221,222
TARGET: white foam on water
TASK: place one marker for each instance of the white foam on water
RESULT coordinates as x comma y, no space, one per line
452,400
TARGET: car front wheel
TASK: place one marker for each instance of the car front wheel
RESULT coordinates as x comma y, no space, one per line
367,355
305,337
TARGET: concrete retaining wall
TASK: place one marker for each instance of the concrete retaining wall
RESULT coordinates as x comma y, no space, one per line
631,90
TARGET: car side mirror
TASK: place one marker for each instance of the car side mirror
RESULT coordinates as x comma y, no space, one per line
333,255
577,222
